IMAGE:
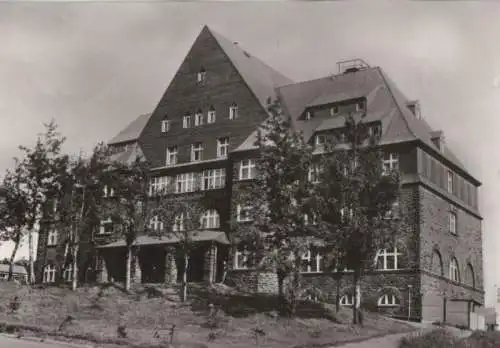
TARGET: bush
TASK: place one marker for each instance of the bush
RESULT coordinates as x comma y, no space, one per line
435,339
483,339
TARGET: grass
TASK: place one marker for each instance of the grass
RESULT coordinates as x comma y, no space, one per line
213,317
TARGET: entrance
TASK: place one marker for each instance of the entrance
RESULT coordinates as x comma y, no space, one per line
195,265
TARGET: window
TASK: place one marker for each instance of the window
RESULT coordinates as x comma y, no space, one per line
165,126
311,262
309,115
390,162
310,219
387,301
393,213
179,222
360,106
49,274
233,112
185,182
241,259
198,118
171,158
454,274
247,169
108,191
68,273
314,173
213,179
211,115
452,222
387,260
196,152
186,121
222,147
210,219
450,182
201,76
334,110
243,213
319,140
375,130
106,226
52,237
346,214
158,185
155,224
347,300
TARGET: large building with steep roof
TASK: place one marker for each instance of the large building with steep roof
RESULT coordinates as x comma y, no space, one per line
201,137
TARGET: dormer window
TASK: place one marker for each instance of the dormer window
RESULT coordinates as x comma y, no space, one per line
309,115
186,121
319,140
165,125
233,111
202,74
334,110
198,118
211,115
360,106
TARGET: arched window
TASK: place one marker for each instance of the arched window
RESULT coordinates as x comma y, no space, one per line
469,276
347,300
454,272
68,273
49,274
388,300
387,259
210,219
437,263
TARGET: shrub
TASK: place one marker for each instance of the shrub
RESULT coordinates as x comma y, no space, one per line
435,339
14,304
483,339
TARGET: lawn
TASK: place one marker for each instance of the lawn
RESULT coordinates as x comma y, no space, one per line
213,317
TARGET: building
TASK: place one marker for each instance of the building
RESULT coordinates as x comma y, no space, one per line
18,272
201,137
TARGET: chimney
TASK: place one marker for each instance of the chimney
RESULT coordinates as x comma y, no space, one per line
414,106
437,138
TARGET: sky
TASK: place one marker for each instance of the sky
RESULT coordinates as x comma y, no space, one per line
94,67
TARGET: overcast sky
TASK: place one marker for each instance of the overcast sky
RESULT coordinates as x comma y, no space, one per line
94,67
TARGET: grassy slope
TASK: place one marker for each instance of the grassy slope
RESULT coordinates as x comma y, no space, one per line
100,310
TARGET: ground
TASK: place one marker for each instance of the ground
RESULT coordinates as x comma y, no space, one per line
213,317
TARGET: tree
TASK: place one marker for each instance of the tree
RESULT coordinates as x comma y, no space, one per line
78,203
278,200
130,208
355,195
13,213
38,171
179,220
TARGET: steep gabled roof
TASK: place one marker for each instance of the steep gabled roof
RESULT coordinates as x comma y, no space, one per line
260,77
132,131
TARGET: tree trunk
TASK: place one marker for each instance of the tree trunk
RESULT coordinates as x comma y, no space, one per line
337,294
31,276
17,241
128,268
74,270
281,291
184,278
357,299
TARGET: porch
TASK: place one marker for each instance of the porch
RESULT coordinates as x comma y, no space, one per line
160,259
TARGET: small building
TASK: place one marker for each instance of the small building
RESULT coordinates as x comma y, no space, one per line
19,272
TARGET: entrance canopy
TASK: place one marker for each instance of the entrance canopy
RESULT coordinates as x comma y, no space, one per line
195,236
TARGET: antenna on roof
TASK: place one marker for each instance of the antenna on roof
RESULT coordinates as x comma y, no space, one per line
351,65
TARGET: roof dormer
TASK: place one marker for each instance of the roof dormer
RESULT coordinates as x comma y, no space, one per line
437,138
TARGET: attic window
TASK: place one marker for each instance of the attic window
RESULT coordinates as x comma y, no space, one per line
360,106
165,125
211,114
334,110
233,111
202,74
319,140
198,118
309,115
